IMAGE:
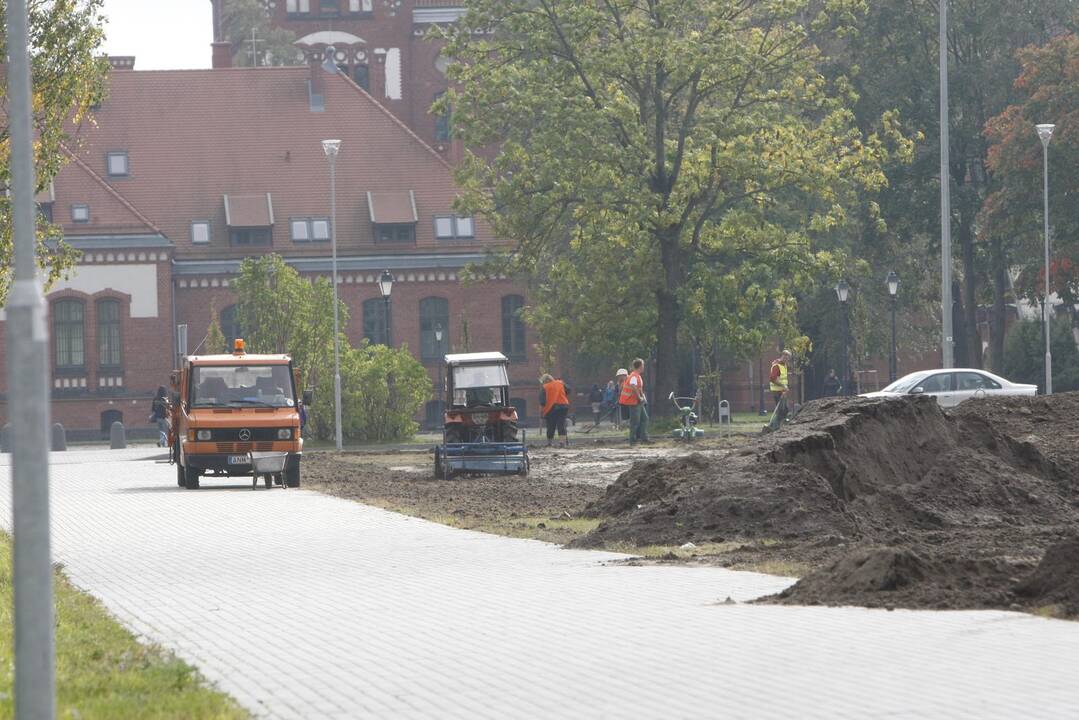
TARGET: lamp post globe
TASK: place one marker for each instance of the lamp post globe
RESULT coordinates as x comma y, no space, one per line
385,287
893,292
842,292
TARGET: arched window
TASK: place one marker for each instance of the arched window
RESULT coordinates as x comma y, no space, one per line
109,344
513,327
374,321
69,330
230,326
434,315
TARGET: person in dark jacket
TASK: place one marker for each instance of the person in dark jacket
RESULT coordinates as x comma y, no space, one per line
159,414
831,384
595,399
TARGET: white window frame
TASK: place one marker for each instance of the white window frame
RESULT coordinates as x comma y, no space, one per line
298,6
116,155
75,208
308,224
455,222
357,6
205,224
295,224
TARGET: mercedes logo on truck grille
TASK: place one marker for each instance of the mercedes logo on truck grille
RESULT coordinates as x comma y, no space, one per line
245,434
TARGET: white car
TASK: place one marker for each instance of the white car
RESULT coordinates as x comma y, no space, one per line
951,387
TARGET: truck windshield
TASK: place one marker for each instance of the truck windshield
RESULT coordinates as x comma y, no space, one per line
242,385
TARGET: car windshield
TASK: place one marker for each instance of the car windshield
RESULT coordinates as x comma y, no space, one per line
242,385
905,383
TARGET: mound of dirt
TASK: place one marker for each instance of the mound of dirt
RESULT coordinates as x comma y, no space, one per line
926,508
1056,580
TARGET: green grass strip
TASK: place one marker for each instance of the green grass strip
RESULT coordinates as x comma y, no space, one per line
102,671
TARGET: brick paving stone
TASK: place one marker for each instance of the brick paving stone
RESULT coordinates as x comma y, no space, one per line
306,606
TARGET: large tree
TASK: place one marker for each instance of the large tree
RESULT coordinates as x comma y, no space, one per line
893,63
69,78
662,164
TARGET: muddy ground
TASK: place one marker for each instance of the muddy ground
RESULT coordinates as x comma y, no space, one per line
876,503
890,503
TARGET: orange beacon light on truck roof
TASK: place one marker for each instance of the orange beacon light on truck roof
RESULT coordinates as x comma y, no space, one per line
238,346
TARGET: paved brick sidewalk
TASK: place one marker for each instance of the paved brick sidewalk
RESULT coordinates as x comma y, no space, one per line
305,606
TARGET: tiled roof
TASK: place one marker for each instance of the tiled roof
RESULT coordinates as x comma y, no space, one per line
194,136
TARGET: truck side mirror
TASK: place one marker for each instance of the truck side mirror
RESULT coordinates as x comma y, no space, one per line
308,397
174,380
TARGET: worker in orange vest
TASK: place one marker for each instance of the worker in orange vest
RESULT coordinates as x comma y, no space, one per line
554,398
633,397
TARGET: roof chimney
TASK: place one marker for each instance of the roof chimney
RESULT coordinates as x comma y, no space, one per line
222,54
320,67
122,62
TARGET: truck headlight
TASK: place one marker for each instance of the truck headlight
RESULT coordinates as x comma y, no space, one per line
284,434
202,435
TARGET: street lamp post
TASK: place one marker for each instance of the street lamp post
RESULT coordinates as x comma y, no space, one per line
893,291
946,343
385,286
1045,133
331,148
842,291
439,392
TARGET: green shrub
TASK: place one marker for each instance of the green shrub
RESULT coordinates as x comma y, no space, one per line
1024,355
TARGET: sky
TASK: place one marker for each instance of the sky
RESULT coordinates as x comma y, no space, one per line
161,34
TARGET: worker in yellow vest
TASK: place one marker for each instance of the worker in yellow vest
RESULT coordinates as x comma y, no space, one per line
779,384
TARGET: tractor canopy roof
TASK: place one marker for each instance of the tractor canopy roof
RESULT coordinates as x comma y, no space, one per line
483,358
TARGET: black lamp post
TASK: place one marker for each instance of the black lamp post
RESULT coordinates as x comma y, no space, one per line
439,390
385,286
842,291
893,291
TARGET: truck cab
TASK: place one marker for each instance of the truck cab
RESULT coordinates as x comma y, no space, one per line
237,415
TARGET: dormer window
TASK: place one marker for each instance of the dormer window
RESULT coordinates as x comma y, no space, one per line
117,164
200,232
80,213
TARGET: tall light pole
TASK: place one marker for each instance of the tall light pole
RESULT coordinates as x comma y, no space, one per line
893,291
27,347
385,286
1045,132
842,291
946,345
331,148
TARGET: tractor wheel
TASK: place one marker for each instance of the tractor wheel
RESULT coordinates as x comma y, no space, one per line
439,468
509,431
268,481
455,433
191,478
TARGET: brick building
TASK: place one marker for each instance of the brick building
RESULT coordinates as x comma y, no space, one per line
186,172
382,45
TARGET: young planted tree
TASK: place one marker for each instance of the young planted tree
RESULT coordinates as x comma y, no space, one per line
69,77
651,154
214,342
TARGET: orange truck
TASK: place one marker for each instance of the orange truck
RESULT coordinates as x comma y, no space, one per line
237,415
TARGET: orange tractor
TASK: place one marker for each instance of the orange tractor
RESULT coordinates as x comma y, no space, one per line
480,432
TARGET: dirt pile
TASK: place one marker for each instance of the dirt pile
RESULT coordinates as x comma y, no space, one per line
916,507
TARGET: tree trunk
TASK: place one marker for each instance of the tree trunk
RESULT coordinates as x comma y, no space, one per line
667,322
970,305
959,330
998,318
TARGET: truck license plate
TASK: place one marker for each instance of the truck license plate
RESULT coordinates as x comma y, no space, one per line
238,460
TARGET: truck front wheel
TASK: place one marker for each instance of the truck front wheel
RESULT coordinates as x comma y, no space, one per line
292,474
191,478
